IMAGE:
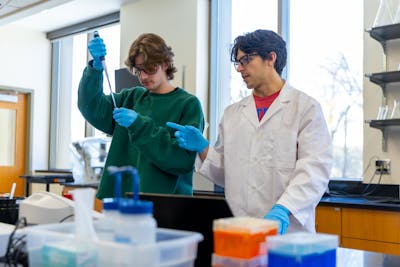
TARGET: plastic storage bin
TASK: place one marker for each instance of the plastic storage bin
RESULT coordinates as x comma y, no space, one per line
302,250
242,237
173,248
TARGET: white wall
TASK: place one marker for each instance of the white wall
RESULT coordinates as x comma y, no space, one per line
25,63
374,62
161,17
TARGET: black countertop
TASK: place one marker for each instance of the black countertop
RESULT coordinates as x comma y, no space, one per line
350,195
355,194
380,203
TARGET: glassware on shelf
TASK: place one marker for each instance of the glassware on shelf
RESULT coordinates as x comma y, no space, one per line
384,15
396,18
382,112
396,110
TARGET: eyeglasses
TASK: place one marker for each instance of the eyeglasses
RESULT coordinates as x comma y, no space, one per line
149,70
244,60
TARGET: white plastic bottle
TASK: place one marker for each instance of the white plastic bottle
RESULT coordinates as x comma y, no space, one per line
136,224
105,227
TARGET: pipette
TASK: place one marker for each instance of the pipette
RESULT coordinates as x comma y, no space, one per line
103,62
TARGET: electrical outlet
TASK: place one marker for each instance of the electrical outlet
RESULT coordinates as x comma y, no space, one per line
382,166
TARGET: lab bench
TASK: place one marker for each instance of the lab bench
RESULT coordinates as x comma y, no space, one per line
344,257
367,222
47,179
361,223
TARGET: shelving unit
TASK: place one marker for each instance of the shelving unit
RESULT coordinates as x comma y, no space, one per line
382,34
383,125
384,78
385,33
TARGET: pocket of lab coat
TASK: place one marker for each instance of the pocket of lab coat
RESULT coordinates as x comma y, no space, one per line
286,149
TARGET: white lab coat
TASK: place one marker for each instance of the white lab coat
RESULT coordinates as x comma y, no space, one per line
283,159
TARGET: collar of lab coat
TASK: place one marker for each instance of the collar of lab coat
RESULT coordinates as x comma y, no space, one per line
248,104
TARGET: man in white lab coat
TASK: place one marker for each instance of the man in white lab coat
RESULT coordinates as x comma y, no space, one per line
273,154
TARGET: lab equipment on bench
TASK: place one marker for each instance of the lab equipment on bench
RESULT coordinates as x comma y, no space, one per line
241,241
88,159
47,207
175,248
9,208
169,248
136,225
106,225
79,250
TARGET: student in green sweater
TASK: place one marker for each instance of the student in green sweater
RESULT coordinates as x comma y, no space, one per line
138,124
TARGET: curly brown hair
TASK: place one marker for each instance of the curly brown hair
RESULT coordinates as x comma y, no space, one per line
154,50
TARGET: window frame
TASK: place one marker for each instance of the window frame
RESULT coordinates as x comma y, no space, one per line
220,23
56,50
220,34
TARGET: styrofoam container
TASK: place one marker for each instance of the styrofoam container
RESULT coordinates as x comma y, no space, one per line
173,248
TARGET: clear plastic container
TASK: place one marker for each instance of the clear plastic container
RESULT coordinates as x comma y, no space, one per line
242,237
302,250
173,248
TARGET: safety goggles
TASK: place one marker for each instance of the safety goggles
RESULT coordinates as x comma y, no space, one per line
149,70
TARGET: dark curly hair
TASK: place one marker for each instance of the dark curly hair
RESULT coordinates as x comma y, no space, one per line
154,50
262,42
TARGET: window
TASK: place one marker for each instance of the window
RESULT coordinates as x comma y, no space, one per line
71,56
258,20
325,60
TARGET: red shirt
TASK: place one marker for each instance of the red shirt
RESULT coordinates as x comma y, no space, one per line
263,103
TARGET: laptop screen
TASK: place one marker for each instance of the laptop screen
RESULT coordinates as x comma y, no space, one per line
190,213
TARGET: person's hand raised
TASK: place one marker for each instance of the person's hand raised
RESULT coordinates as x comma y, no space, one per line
98,51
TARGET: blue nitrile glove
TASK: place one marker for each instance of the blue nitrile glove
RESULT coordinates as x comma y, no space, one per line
281,214
97,49
124,117
189,137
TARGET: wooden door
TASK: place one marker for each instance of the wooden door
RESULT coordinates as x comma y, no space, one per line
13,129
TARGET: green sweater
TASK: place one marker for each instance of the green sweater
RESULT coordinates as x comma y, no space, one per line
148,144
